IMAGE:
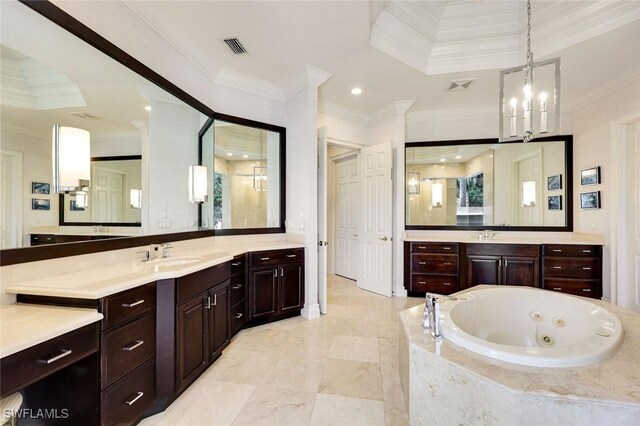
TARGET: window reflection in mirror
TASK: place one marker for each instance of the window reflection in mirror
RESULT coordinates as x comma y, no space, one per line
482,185
244,177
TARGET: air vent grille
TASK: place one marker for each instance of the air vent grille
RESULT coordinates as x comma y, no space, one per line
234,44
84,115
460,85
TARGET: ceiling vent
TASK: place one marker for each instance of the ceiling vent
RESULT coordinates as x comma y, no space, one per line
84,115
460,85
234,44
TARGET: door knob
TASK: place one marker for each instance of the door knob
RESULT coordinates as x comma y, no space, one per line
383,238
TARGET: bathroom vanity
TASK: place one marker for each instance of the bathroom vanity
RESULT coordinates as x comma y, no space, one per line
447,267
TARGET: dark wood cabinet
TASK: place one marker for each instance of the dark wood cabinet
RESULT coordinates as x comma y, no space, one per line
573,269
218,320
503,264
431,267
192,321
43,239
483,269
237,295
276,285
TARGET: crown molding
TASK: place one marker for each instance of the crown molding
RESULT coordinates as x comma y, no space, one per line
308,76
340,111
249,84
390,110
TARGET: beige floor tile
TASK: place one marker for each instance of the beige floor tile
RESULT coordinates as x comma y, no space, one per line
352,378
301,374
263,339
392,387
277,407
355,348
241,366
355,327
388,329
331,410
395,414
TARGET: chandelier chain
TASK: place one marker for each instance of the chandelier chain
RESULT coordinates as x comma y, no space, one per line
529,52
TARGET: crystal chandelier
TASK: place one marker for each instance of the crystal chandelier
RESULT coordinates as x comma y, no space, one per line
528,110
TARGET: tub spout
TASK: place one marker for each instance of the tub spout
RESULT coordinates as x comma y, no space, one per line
432,307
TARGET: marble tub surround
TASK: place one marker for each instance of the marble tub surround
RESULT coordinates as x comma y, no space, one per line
446,384
24,326
506,237
97,275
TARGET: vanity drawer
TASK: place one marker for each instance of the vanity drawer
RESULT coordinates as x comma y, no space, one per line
274,257
238,264
435,263
434,247
580,268
38,239
123,306
237,317
126,347
30,365
434,283
586,288
570,250
193,284
237,289
127,400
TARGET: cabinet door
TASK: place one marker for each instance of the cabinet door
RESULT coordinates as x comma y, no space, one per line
483,270
193,330
291,287
219,318
263,295
520,271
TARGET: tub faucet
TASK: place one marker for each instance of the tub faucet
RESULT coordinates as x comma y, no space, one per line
432,311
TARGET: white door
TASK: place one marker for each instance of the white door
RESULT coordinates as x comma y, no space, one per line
322,219
107,189
633,273
348,208
374,270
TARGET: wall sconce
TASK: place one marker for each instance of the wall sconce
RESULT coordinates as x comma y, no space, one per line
82,200
436,195
529,194
259,178
413,183
197,184
135,197
71,159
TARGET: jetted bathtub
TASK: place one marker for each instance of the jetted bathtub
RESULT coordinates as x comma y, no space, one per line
529,326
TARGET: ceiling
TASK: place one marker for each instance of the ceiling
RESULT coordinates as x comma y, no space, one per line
593,38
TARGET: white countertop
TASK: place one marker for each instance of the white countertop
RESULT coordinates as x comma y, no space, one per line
100,281
536,238
23,326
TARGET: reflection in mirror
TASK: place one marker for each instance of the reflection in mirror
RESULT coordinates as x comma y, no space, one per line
49,76
487,185
114,196
244,176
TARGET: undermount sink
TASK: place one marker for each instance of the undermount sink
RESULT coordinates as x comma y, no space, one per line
174,261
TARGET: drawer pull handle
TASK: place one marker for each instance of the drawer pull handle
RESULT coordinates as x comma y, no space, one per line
447,263
236,263
291,255
239,315
137,397
422,282
132,304
557,267
264,258
446,248
557,251
587,290
557,288
446,283
422,247
62,354
136,344
237,287
586,251
422,263
586,268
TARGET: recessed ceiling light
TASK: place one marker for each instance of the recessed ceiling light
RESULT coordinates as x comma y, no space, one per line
147,108
458,157
245,156
356,91
443,159
229,154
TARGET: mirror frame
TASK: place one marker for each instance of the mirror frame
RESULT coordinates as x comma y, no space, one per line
283,171
61,18
568,164
61,221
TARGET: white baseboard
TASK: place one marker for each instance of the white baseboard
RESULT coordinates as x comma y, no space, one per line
399,292
311,312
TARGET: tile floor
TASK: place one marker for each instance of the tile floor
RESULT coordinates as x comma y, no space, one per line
341,369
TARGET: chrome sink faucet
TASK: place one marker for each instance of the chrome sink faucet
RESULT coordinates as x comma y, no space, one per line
165,250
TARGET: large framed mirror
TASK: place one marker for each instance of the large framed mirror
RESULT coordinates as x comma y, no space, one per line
245,162
483,184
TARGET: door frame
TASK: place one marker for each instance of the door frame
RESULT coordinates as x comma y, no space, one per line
517,190
619,288
16,183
